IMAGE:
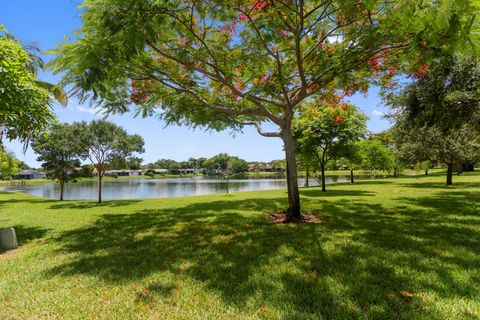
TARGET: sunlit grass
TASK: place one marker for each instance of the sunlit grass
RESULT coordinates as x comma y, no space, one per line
219,257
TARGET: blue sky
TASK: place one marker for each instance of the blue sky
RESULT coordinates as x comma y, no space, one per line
48,22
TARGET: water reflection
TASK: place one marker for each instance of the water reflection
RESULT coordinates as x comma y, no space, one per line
159,188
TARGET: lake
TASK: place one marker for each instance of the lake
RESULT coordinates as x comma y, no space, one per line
159,188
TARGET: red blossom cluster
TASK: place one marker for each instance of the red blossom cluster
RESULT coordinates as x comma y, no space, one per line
422,71
229,29
257,7
375,62
260,5
140,91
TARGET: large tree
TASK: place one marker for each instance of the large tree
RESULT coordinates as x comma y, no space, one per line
59,150
421,144
326,133
24,105
104,143
227,64
442,104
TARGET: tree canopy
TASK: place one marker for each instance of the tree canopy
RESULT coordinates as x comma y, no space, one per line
438,116
24,106
104,143
59,150
325,133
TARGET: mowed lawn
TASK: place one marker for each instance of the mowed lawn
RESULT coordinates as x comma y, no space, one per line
405,248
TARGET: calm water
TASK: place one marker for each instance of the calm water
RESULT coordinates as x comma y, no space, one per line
158,188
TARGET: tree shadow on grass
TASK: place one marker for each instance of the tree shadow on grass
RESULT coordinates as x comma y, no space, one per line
441,185
352,264
13,198
92,204
317,192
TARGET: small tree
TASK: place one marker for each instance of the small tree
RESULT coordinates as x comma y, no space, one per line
352,157
376,156
59,150
9,165
103,143
323,133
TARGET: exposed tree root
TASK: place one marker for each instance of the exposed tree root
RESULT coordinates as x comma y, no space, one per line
283,217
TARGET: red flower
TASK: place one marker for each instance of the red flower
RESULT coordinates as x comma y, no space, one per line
243,17
339,119
374,62
422,71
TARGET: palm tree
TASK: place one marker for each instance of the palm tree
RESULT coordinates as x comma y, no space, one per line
36,63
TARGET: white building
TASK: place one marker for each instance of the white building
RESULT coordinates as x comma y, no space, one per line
124,173
29,174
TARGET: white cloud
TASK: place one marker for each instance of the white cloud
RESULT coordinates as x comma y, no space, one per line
97,112
378,113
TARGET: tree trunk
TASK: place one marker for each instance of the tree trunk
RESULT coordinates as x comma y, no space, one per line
426,172
100,177
351,176
323,176
307,167
293,212
449,174
62,185
394,172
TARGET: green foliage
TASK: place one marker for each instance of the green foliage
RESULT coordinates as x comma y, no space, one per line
228,165
375,155
9,165
86,171
446,97
327,133
59,150
352,156
104,143
438,116
25,110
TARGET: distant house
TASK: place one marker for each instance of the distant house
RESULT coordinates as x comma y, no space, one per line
264,167
159,171
185,171
124,173
29,174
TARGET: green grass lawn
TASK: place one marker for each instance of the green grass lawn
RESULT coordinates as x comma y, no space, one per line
219,257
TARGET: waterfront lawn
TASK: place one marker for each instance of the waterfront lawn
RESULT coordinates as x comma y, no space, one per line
406,248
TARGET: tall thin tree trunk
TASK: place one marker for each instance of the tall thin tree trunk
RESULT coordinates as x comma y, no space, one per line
426,172
351,176
100,177
307,167
394,171
293,212
449,174
62,185
322,164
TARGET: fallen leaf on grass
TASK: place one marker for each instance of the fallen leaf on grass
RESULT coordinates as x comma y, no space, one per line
406,294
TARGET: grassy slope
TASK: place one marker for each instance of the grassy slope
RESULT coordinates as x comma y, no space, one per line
217,257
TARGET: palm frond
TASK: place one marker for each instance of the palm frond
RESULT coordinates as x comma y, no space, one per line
58,93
